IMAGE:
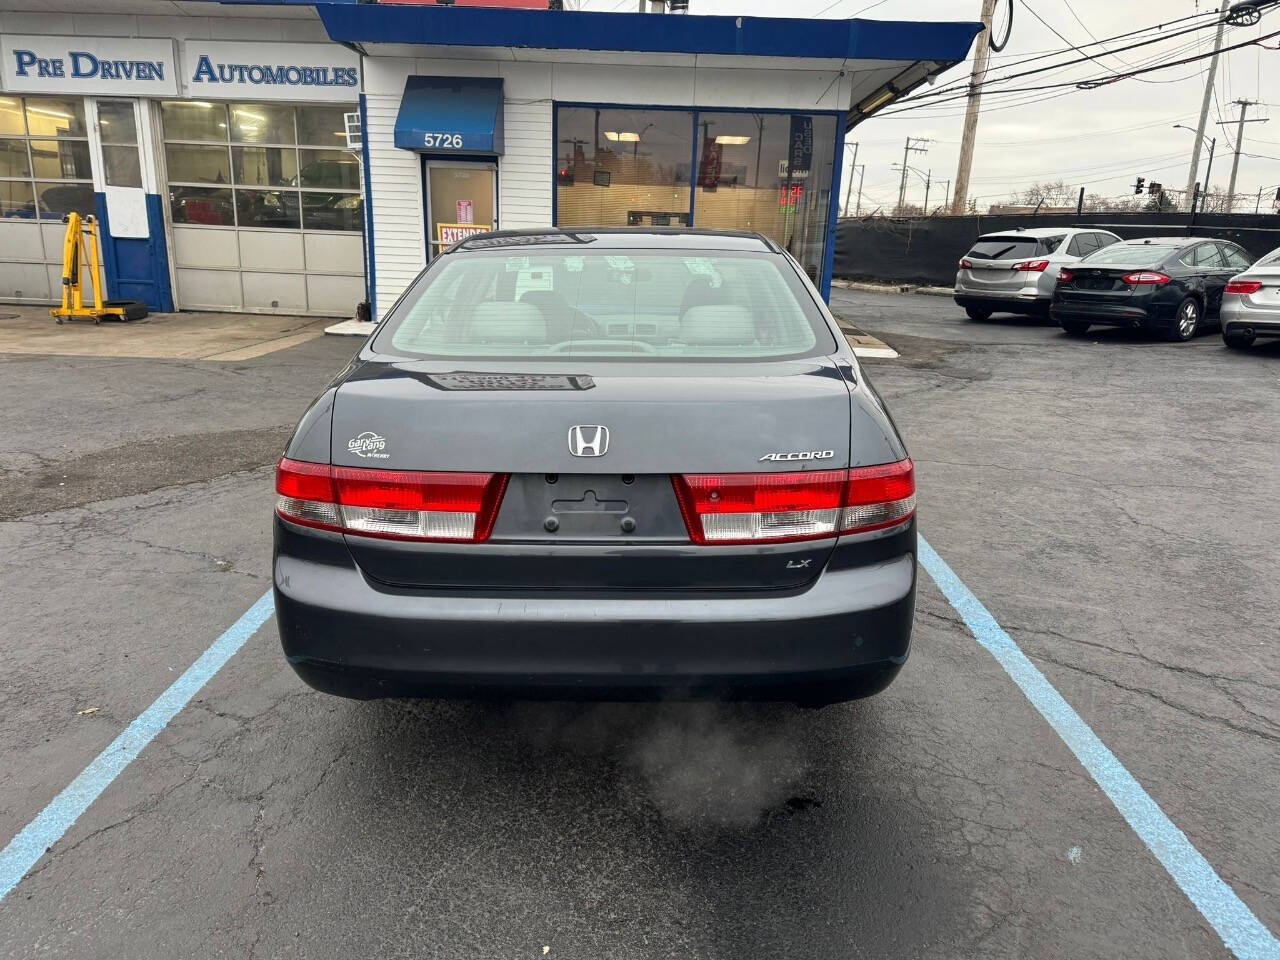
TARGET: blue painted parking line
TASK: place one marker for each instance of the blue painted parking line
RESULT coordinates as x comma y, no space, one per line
65,809
1240,930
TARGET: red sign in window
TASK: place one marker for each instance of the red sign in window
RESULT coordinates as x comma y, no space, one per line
790,194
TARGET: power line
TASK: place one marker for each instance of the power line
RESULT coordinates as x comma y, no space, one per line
951,88
1087,84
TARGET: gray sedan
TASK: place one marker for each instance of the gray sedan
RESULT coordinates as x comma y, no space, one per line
605,464
1251,303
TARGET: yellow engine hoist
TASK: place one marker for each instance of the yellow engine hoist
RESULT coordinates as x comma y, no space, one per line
79,254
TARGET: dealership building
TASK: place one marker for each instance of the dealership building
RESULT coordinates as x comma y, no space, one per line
280,157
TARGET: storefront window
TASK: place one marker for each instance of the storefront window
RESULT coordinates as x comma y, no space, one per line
265,166
768,173
262,123
119,128
286,149
623,167
324,126
44,158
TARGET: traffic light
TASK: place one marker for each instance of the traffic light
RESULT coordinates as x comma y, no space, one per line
1137,187
1154,188
565,176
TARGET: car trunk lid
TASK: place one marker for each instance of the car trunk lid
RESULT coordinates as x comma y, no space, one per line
1095,284
608,521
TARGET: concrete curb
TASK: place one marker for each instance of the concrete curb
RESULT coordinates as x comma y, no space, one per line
893,288
350,328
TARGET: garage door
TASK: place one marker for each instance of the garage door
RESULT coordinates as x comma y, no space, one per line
265,207
44,173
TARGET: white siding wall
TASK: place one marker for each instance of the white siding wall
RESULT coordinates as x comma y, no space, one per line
525,176
395,186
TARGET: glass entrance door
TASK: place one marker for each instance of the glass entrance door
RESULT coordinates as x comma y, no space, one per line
462,199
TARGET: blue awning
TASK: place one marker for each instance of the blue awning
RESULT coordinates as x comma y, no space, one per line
451,115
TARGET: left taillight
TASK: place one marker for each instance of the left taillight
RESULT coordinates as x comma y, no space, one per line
390,504
1243,287
742,508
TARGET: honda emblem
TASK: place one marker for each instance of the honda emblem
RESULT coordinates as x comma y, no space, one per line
588,440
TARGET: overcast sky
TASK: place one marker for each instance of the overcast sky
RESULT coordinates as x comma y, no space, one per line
1100,139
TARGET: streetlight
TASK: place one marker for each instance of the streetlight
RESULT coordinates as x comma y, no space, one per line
1207,170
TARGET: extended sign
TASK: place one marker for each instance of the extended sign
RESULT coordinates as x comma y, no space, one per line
450,233
106,66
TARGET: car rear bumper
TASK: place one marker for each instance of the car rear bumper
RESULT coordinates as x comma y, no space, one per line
1115,315
845,634
1013,303
1236,318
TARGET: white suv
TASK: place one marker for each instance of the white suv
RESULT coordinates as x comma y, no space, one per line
1015,271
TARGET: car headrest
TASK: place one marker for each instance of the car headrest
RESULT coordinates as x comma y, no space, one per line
507,322
718,324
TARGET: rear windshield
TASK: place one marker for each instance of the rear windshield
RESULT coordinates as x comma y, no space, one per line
718,305
1132,255
1013,248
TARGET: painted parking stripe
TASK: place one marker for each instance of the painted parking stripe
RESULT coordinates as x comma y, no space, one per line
65,809
1240,930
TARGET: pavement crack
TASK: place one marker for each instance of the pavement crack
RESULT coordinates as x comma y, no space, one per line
1171,704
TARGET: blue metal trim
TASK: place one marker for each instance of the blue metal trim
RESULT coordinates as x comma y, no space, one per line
370,269
693,171
833,210
646,33
555,163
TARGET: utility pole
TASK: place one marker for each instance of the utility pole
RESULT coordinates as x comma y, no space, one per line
906,155
1204,104
979,73
862,172
849,186
946,195
928,182
1235,164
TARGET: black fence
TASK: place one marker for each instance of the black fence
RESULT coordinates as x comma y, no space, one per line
925,250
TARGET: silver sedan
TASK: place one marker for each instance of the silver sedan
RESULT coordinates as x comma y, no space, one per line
1251,303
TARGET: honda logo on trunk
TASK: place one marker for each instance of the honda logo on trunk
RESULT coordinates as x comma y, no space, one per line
588,440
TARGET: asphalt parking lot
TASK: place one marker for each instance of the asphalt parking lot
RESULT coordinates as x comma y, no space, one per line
1111,501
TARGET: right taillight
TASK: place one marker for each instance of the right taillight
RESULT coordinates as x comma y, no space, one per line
741,508
1243,286
1065,276
390,504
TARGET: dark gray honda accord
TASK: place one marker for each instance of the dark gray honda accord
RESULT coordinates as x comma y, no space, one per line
604,464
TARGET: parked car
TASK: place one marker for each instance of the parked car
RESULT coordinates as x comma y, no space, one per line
1173,285
1251,303
604,464
1015,271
